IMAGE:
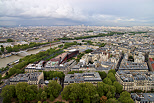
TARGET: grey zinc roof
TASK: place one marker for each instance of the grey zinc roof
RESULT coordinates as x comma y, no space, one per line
75,67
143,97
128,76
80,77
127,65
25,77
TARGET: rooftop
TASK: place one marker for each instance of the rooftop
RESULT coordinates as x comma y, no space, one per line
26,77
127,76
143,97
82,77
128,65
152,63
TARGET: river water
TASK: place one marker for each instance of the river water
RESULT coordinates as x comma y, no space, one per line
5,61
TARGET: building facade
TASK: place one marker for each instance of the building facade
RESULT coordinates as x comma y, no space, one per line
135,80
30,78
90,77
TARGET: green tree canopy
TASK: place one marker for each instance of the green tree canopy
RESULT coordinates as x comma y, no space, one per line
118,86
54,89
88,51
107,81
10,40
111,76
86,92
8,92
43,95
109,95
112,100
21,91
2,48
100,88
31,93
95,98
9,49
39,93
49,75
113,71
125,97
102,74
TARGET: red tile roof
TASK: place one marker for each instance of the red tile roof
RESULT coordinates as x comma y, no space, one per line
61,55
152,64
151,59
55,59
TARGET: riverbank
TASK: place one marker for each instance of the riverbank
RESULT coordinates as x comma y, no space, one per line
33,48
5,61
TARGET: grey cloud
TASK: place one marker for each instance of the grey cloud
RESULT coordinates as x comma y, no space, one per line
90,12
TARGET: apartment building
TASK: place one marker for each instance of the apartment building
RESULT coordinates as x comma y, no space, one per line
90,77
135,80
30,78
143,97
132,66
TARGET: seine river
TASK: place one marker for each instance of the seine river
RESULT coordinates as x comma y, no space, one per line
5,61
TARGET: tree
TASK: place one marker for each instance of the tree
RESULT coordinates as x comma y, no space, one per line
51,97
103,99
108,90
102,74
90,91
111,76
72,72
112,100
10,40
8,92
60,45
43,95
125,97
109,95
112,89
2,48
102,44
49,75
130,58
75,89
107,81
66,92
86,92
112,70
31,92
118,86
95,98
34,88
100,87
12,71
21,91
88,51
39,94
54,88
9,49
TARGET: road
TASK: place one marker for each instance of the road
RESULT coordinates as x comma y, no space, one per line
118,65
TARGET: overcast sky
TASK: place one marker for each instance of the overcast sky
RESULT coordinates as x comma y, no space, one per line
76,12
